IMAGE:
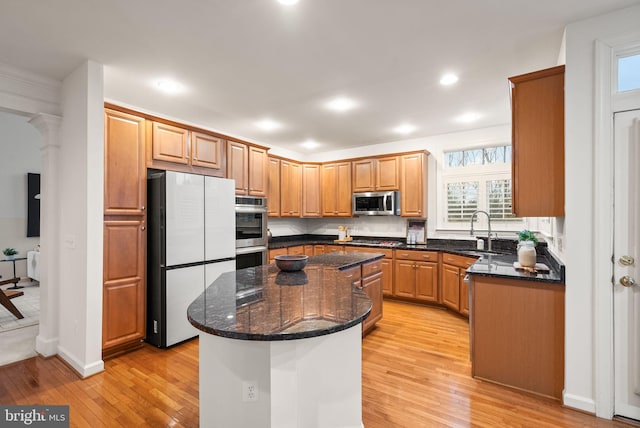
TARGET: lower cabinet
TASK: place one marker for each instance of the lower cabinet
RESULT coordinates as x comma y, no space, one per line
454,289
517,334
124,306
372,285
416,275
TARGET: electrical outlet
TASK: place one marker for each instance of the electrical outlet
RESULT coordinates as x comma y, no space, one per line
249,391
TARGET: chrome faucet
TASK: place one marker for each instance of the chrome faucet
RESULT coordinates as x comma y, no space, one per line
488,223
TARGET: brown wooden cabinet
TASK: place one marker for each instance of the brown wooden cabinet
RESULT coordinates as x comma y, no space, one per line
386,265
376,174
238,166
258,171
170,143
185,149
124,172
388,173
416,275
249,167
450,286
537,109
455,291
290,188
413,185
372,285
124,305
517,334
311,206
273,189
124,238
336,189
206,151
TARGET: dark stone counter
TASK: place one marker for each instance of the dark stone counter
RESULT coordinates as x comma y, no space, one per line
499,263
263,303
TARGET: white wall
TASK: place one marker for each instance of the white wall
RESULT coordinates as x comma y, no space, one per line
580,106
19,154
81,200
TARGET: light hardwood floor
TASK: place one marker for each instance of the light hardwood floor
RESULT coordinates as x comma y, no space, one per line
416,373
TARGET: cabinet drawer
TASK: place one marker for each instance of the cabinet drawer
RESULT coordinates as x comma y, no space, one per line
456,260
426,256
386,251
371,268
354,274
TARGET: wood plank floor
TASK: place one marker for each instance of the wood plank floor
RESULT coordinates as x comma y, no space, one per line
416,373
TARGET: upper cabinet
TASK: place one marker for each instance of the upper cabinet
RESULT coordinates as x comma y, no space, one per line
290,188
376,174
258,171
181,149
125,172
537,108
336,189
170,143
248,166
206,150
273,188
413,185
311,190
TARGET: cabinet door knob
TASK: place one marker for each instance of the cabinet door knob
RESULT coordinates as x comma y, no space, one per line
142,228
142,208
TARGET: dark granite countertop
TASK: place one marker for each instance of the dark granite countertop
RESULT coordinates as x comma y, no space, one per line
263,303
498,263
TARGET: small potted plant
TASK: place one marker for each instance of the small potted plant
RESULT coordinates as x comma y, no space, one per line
10,253
527,248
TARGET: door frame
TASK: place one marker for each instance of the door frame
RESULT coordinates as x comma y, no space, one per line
607,103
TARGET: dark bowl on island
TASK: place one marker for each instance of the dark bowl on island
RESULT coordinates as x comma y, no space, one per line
291,263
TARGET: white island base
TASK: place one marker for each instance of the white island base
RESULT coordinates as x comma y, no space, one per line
314,382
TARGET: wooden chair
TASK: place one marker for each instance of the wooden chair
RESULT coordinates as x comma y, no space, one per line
7,295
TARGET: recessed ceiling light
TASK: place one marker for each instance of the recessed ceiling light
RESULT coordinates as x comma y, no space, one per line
404,129
310,144
468,117
448,79
341,104
169,86
287,2
268,125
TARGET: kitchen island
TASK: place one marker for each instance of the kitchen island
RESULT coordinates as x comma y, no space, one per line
283,349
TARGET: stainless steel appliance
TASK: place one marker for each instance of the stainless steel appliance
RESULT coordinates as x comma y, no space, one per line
190,243
251,231
376,203
251,256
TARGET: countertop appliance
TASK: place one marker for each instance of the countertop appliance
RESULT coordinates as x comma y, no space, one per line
376,203
251,231
190,242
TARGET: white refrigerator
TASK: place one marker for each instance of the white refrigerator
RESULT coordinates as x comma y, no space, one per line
191,241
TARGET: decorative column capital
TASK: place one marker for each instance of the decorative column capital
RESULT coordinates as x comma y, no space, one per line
48,125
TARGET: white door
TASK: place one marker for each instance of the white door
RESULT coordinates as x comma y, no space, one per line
219,218
184,285
626,260
184,218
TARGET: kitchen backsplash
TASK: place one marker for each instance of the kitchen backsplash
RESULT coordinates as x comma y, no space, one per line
388,226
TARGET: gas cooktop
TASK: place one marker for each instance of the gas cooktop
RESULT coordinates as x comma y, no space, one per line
376,243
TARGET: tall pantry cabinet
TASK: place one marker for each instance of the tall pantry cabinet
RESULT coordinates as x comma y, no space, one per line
123,317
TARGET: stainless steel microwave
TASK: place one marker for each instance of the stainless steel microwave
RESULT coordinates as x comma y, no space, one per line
376,203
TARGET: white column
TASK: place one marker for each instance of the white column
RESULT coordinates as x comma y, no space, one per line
47,340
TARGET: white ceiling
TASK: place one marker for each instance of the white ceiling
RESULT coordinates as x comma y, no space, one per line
241,61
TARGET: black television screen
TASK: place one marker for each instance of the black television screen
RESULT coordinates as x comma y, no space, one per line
33,204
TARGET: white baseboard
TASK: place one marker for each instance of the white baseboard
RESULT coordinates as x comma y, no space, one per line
46,347
84,370
578,402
